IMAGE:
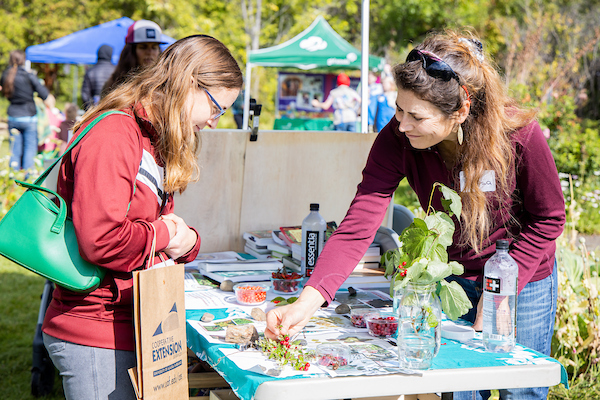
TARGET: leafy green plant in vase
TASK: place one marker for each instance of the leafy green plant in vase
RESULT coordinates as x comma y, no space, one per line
418,269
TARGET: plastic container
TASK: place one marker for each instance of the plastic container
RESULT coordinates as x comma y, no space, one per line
286,286
251,294
332,356
313,238
382,325
358,316
499,300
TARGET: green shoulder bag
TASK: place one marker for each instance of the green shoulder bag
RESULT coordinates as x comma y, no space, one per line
36,234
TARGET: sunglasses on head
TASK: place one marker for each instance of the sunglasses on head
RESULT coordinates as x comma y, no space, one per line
433,65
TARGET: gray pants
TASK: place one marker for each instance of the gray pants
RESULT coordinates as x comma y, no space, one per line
91,372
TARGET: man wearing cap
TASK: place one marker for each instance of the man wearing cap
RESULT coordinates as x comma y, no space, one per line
345,102
141,49
96,76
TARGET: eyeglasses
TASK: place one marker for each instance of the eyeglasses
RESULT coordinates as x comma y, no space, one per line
221,110
433,65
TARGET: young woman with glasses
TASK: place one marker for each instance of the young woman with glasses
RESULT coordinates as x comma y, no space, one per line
455,124
118,183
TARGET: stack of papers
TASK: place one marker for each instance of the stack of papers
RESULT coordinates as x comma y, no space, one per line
236,267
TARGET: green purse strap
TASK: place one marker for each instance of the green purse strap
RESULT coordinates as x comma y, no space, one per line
61,216
43,176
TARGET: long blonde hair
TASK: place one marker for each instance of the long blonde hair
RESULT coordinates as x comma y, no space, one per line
164,88
493,118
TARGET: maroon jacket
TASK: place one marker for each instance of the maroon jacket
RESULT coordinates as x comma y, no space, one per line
112,205
537,205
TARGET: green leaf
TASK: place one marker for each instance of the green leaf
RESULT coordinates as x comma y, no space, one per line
292,300
442,225
413,273
457,268
435,271
454,300
391,259
452,202
439,253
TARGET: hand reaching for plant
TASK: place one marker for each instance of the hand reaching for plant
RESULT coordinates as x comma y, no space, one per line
289,320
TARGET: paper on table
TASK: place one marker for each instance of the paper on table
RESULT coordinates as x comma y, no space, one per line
203,299
218,257
190,283
255,361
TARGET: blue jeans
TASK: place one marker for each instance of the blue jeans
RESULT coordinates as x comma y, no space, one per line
536,311
91,372
24,144
345,126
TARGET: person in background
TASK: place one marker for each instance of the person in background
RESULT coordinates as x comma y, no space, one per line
238,110
375,89
19,86
95,77
66,126
49,119
118,185
142,48
345,102
385,104
455,124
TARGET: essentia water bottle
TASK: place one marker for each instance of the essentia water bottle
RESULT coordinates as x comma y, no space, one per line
313,237
500,300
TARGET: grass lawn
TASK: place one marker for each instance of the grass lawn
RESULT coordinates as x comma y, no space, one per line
20,292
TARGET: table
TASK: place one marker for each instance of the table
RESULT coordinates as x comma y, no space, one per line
457,367
303,124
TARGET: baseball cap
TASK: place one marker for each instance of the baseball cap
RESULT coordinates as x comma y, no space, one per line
144,31
343,79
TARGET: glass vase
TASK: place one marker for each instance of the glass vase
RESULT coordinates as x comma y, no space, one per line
419,326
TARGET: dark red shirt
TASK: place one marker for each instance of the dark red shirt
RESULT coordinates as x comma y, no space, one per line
537,205
112,206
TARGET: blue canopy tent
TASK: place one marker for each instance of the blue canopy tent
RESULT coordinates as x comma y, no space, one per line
81,47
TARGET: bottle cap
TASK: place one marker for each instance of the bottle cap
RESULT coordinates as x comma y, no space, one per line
314,206
502,244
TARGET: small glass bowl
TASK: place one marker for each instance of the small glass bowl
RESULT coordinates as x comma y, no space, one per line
358,316
332,355
286,286
251,293
382,325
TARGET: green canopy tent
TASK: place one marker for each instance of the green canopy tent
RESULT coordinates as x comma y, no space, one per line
318,46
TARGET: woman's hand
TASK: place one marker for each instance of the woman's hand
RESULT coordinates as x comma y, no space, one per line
292,318
503,318
184,238
478,324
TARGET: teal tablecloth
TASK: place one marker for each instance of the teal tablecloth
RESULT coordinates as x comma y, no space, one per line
303,124
452,355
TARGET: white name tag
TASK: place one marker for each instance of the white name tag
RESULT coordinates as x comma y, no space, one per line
487,183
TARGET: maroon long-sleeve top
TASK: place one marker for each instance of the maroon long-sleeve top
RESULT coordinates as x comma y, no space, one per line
111,182
537,205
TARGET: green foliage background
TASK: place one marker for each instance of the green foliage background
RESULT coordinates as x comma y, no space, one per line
547,51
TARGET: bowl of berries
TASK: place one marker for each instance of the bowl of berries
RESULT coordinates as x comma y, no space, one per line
382,325
332,355
358,316
251,294
286,282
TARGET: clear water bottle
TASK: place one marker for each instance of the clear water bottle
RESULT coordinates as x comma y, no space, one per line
313,237
500,278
